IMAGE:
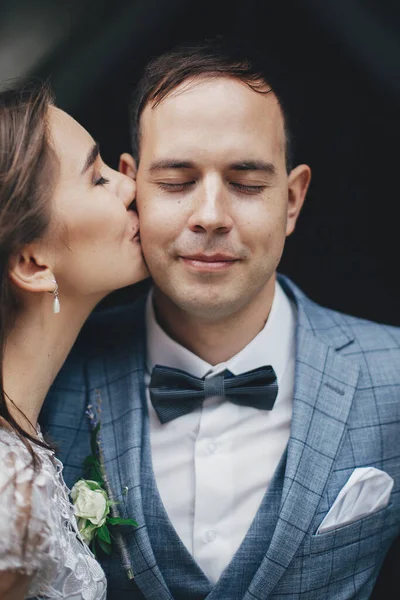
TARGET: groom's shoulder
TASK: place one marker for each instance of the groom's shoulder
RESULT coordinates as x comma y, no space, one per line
371,333
368,334
110,329
324,322
372,347
109,332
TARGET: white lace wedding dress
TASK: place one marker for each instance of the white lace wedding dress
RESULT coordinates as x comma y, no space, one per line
38,531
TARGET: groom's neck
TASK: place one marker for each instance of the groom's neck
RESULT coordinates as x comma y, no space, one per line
214,340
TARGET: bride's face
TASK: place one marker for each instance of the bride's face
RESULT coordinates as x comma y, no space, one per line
92,231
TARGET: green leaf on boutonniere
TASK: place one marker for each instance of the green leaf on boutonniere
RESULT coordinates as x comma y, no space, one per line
91,496
103,534
93,485
104,545
92,462
119,521
95,473
93,440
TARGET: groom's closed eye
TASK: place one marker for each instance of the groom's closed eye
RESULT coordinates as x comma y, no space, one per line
175,186
172,175
248,177
249,188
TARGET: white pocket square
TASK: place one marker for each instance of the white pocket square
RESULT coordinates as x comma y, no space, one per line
367,490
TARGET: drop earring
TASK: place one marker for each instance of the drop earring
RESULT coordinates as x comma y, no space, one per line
56,302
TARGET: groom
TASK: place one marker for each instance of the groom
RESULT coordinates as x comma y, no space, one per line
252,434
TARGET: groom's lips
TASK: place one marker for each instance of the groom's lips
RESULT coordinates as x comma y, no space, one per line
209,262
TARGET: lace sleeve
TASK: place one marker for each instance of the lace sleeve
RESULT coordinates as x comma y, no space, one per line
27,529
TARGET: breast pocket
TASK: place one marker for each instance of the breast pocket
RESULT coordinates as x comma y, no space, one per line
350,553
364,529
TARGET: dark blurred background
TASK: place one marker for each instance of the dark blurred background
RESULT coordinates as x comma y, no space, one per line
343,58
343,62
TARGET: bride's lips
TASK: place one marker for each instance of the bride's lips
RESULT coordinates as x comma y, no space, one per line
136,234
134,226
209,262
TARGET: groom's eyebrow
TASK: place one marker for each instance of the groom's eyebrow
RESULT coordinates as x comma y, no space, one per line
244,165
159,165
253,165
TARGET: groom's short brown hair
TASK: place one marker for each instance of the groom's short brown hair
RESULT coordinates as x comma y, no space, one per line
212,58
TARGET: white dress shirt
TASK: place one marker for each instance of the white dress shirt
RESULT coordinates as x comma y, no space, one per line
213,466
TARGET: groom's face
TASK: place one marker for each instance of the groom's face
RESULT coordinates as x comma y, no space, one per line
212,194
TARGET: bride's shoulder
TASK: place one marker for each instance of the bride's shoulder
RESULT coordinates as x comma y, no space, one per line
17,453
25,470
26,506
12,447
37,524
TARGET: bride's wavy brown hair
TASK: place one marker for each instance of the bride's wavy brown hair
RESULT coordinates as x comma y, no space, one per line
27,177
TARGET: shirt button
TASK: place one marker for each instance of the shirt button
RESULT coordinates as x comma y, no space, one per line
212,447
210,535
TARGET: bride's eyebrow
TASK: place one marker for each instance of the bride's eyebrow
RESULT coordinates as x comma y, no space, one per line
91,157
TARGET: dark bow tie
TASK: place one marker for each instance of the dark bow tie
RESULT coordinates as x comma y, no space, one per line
175,393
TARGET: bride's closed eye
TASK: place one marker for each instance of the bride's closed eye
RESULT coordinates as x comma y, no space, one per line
100,180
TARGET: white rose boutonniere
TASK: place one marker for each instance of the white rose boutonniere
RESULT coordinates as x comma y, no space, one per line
92,504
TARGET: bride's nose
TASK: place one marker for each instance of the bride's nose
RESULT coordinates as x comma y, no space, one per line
126,189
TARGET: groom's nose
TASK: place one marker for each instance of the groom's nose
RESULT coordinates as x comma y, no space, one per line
211,207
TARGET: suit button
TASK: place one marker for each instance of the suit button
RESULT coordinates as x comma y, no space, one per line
210,535
212,447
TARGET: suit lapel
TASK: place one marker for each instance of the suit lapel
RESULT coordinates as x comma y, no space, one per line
324,389
117,398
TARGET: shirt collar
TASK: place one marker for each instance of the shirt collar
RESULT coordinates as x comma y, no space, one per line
274,345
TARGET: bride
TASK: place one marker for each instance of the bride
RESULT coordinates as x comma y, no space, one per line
67,239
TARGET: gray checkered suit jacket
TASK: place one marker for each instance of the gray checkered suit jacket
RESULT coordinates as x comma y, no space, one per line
346,414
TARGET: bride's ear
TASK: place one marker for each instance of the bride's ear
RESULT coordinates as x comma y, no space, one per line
29,271
127,165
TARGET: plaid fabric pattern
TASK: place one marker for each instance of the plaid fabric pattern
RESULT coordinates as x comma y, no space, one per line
346,414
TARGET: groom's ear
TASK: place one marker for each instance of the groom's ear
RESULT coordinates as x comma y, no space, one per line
127,165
